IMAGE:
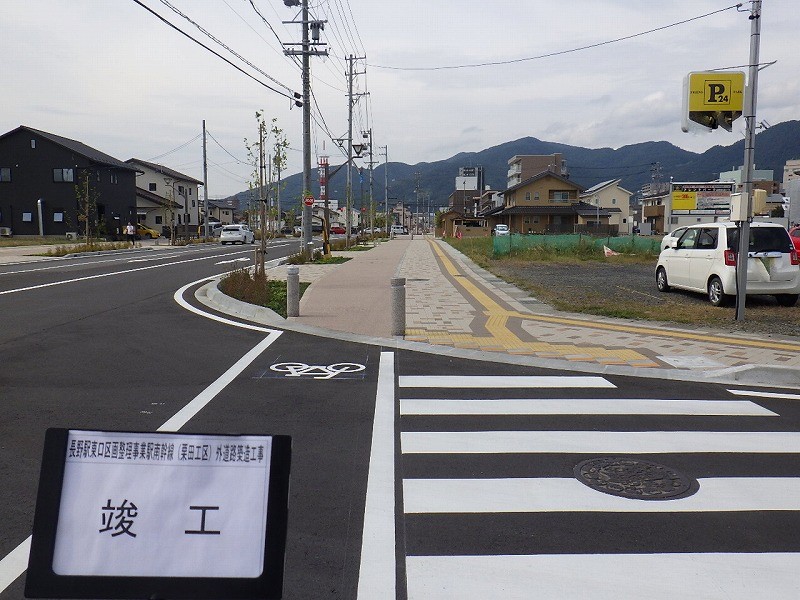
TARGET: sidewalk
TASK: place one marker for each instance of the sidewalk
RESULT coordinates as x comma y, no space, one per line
451,302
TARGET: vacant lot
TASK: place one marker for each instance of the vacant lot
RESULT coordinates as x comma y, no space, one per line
624,286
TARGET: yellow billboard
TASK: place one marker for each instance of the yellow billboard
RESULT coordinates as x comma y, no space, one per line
684,200
712,99
716,90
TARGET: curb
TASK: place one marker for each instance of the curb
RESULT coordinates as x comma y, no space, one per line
756,375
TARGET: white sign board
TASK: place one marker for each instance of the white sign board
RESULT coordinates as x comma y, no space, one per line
161,506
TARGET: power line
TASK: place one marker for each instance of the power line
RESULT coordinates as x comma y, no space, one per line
226,150
181,147
224,45
560,52
214,52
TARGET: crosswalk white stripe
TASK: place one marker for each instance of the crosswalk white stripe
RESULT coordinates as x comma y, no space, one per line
505,382
595,442
376,579
551,494
557,406
717,576
758,394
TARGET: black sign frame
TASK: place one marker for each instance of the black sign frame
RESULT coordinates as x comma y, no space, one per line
42,582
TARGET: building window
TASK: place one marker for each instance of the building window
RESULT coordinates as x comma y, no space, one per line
65,175
527,196
613,201
535,195
5,174
27,217
58,217
152,187
181,190
190,191
559,196
114,177
192,201
33,144
159,220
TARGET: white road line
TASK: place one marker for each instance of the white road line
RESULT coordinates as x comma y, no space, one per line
716,576
597,442
557,406
208,394
757,394
492,381
377,579
101,275
551,494
14,564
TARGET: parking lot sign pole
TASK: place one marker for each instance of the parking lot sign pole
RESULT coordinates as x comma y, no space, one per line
751,93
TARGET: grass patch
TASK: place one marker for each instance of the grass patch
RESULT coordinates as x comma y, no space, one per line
257,289
93,247
32,241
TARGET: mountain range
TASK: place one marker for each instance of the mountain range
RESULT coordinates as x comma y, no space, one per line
587,167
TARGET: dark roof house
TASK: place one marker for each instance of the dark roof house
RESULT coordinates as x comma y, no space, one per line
41,174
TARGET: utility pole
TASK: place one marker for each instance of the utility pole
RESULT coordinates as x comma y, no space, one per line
750,96
306,52
205,183
385,154
263,202
371,187
352,98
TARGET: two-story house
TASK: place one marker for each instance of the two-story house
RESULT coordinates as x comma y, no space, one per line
615,199
547,203
44,176
166,198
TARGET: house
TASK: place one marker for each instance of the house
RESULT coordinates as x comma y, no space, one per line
41,176
525,166
549,203
615,199
170,199
452,223
220,211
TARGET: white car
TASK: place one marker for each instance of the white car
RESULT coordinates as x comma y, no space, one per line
704,260
398,230
674,234
233,234
500,230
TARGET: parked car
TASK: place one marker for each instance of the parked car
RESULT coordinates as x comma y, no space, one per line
287,230
398,230
233,234
794,233
500,229
143,231
704,260
674,234
214,227
338,229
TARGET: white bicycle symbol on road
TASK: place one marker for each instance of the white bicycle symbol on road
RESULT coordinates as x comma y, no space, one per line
297,369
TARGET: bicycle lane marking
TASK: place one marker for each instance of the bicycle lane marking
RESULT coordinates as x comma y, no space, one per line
14,564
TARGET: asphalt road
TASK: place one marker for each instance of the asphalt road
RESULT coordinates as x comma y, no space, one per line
410,478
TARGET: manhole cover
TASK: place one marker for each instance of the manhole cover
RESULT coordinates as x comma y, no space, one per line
634,478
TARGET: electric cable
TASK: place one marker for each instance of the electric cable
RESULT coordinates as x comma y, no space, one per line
214,52
558,53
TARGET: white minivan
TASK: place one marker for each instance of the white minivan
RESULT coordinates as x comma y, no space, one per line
703,259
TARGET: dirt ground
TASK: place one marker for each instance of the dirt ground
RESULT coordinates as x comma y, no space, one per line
628,290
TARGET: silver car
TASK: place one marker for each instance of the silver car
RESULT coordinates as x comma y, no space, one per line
234,234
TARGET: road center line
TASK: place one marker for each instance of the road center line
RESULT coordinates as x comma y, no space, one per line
112,274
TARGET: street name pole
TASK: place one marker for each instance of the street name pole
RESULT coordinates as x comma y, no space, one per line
751,94
205,183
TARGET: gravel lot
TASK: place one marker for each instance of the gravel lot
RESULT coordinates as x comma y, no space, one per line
627,289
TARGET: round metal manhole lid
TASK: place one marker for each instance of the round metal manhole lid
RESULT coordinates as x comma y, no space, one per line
634,478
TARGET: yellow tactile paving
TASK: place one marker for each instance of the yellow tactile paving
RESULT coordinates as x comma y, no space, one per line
500,338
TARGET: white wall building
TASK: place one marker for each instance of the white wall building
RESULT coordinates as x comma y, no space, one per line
179,195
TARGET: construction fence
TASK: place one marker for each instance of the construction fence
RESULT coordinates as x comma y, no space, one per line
505,244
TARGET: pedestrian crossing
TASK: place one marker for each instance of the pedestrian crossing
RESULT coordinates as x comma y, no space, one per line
492,508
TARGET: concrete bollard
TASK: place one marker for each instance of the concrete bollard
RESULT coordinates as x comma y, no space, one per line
398,306
293,291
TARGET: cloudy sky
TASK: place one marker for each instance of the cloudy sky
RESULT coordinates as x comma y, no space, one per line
112,75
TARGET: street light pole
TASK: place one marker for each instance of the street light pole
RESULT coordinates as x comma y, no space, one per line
751,94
